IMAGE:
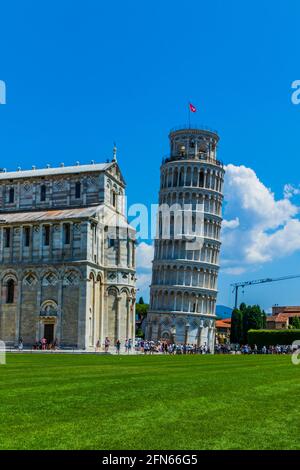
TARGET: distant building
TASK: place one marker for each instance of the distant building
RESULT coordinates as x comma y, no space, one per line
282,317
277,322
67,256
223,328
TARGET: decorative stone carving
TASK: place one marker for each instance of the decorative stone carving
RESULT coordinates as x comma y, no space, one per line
71,278
50,279
60,184
30,279
91,181
27,187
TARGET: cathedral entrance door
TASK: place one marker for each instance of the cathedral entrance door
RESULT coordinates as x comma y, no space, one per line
49,332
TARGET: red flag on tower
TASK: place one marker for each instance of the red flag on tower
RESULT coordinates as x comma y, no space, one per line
192,108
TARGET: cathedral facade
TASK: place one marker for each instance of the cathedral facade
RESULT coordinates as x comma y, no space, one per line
186,256
67,256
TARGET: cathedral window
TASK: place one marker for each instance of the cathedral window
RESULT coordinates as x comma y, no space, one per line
7,237
47,235
43,193
10,291
11,195
26,236
67,234
113,198
78,190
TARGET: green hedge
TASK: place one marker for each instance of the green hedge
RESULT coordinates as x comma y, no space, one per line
272,337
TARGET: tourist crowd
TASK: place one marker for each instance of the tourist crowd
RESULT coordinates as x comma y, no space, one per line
165,347
247,349
152,347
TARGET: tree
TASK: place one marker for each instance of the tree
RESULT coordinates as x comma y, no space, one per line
253,319
236,332
296,323
247,317
141,310
141,301
139,333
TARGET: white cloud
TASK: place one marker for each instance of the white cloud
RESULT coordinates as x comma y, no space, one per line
144,255
283,242
268,228
234,271
230,224
289,191
143,281
246,192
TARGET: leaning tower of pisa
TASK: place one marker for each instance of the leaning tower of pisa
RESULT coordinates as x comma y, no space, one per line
187,247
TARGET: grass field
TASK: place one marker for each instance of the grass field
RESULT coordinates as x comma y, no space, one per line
178,402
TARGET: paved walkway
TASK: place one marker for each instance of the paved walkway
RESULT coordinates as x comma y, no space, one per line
69,351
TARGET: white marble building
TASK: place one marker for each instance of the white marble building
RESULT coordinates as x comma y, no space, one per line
67,256
184,275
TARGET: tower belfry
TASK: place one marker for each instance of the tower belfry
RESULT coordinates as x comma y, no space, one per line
114,153
185,271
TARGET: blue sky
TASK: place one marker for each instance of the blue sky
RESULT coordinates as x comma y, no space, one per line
81,75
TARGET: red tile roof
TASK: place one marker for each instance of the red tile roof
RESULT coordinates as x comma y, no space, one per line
222,324
280,318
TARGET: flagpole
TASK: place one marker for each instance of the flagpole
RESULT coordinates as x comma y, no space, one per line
189,108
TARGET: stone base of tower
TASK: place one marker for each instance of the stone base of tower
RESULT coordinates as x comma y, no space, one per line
179,328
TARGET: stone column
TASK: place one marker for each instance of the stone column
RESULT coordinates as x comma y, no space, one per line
50,199
38,310
18,195
128,331
21,228
118,325
101,314
41,229
68,192
83,314
18,308
59,329
133,323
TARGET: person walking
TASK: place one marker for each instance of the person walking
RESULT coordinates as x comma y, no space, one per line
118,346
106,344
20,344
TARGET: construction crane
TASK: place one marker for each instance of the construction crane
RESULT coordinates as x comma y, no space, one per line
237,285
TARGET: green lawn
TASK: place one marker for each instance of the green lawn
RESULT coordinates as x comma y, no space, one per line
178,402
